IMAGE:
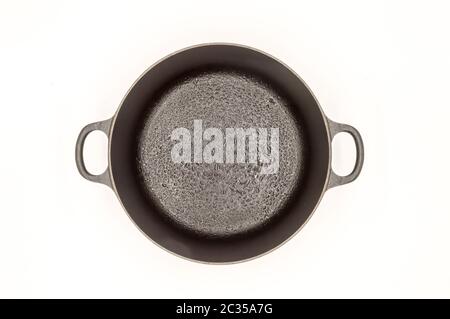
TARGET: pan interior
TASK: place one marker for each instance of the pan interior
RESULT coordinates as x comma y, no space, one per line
219,199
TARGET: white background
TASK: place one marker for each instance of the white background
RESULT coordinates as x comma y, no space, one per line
381,66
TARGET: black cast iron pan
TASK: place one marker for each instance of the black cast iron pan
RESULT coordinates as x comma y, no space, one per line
219,153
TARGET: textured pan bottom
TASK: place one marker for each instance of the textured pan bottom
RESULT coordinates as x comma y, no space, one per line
219,199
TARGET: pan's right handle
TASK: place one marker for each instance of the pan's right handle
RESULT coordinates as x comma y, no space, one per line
103,178
337,180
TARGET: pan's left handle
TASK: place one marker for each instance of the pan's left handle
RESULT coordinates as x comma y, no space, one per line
335,179
103,178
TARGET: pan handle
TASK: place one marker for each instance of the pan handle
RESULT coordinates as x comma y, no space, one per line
103,178
337,180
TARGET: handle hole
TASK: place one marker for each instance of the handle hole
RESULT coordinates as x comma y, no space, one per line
344,154
95,152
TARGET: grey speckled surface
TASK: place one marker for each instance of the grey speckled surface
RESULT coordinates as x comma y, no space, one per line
218,200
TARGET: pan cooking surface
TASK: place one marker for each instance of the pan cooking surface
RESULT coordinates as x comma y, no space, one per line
218,199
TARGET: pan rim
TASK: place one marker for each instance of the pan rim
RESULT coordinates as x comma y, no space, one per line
208,44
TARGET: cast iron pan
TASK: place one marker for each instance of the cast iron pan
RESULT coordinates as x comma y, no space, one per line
219,210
